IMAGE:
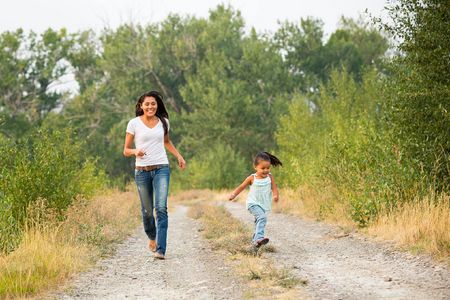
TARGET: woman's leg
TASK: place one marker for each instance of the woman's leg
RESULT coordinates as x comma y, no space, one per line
145,189
161,188
260,222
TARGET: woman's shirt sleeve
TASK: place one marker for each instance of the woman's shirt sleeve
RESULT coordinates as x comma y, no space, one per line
131,127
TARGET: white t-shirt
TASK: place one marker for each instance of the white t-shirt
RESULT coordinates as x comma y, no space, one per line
151,140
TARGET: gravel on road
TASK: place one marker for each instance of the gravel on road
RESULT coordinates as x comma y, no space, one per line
348,266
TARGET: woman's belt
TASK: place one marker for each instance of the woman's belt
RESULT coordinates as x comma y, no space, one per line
150,168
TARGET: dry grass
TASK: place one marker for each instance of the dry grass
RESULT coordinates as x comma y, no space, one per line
103,220
229,235
421,225
53,250
317,205
217,221
41,261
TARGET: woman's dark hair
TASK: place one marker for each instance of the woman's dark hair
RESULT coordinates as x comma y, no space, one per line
161,111
266,156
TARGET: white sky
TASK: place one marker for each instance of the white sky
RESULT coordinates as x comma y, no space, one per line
38,15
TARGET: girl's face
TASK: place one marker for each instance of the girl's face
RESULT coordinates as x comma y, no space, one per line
149,106
263,168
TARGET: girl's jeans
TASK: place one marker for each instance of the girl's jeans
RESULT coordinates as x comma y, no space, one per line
153,187
260,221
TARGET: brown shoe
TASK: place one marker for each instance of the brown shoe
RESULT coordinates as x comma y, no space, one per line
152,245
158,255
262,241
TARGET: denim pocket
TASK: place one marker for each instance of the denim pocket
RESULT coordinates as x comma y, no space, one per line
137,172
163,171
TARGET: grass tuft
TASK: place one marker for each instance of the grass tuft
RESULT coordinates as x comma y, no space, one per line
421,225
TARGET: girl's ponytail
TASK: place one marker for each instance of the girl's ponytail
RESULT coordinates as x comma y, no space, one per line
263,155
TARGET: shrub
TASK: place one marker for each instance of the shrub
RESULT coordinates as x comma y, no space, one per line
339,141
47,165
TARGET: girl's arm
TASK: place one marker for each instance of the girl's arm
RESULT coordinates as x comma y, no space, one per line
274,188
240,188
128,147
169,146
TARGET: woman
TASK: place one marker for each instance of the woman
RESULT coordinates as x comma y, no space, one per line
149,132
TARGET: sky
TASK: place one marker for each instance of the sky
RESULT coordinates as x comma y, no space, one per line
75,15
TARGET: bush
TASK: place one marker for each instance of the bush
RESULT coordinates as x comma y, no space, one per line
46,165
340,142
217,167
418,106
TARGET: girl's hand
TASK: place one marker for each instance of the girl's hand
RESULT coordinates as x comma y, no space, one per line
231,197
139,152
181,162
275,198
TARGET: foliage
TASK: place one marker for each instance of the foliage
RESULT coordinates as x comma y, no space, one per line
379,141
353,46
215,168
418,106
233,94
30,67
342,145
46,165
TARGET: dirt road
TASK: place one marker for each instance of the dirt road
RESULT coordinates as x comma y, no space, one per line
190,271
336,266
339,266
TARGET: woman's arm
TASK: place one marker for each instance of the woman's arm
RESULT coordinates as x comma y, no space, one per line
128,147
241,187
169,146
274,188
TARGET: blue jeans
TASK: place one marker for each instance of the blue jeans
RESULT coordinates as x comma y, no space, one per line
260,221
153,187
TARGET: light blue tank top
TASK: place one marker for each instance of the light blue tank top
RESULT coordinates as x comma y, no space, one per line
260,193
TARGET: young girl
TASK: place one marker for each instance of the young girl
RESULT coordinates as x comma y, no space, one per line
259,200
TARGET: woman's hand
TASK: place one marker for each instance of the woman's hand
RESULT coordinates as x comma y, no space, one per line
231,197
181,162
139,152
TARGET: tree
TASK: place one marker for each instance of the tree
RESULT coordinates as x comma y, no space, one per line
233,93
84,57
418,110
30,67
300,45
353,46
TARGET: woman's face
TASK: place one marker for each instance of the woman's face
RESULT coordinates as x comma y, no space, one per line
149,106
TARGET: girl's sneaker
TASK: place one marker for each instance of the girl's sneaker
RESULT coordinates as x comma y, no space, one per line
262,241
